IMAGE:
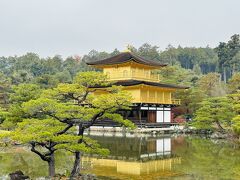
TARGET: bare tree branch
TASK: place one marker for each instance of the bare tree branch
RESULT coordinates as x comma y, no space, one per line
65,129
44,158
93,120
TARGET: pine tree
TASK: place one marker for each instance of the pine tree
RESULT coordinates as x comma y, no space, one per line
65,107
214,113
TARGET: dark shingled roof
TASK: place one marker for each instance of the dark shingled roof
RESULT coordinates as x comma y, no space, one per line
137,82
125,57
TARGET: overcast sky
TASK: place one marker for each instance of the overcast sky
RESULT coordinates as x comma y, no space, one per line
70,27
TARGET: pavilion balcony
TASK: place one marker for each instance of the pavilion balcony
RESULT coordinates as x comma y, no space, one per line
157,101
126,75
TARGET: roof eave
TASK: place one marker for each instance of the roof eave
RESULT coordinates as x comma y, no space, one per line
155,66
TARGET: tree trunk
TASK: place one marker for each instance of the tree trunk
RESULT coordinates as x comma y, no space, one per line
224,75
51,166
49,158
76,167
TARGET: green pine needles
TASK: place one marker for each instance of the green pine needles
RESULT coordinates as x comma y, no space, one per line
53,119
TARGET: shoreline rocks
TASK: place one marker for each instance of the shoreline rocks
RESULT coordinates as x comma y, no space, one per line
18,175
172,130
218,135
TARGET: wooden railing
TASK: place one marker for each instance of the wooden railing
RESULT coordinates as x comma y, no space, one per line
153,100
156,100
134,75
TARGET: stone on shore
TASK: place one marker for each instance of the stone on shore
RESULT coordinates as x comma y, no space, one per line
18,175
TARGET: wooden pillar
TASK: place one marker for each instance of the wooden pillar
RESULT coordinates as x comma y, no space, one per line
140,115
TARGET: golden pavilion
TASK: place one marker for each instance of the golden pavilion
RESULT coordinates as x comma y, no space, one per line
152,100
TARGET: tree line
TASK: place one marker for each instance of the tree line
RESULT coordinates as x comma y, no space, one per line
224,59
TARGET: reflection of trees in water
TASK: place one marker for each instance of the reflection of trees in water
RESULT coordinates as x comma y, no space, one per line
18,161
30,164
119,146
25,162
201,158
206,160
131,148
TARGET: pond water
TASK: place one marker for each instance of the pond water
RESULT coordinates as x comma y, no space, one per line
139,157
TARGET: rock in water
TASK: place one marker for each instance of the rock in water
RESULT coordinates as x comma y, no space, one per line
18,175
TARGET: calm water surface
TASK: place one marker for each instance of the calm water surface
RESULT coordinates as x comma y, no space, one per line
139,157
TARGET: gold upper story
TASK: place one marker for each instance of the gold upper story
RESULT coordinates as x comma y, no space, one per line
127,66
131,70
138,76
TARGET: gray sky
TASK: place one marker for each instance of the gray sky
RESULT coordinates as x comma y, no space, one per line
70,27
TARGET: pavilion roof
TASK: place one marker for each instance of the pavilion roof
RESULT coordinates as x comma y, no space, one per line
137,82
126,57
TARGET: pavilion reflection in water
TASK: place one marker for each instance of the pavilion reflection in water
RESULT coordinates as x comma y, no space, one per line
133,155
